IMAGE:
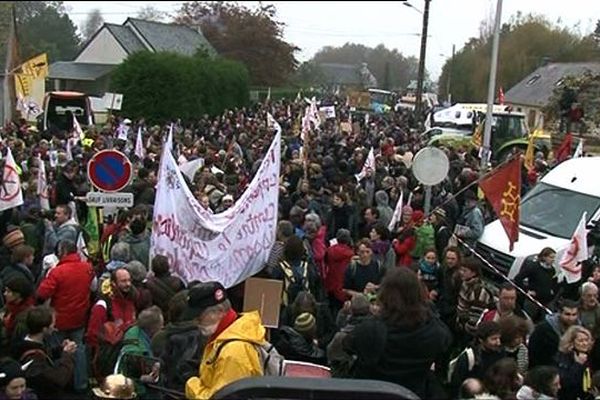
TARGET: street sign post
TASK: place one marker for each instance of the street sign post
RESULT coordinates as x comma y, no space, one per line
99,199
109,170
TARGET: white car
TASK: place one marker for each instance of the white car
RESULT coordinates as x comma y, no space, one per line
549,215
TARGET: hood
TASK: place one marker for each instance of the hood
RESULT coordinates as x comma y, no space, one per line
339,252
553,321
113,265
70,222
132,239
381,198
247,327
527,393
178,328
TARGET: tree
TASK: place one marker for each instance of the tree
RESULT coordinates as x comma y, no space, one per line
251,36
150,13
92,23
42,26
390,67
186,86
525,42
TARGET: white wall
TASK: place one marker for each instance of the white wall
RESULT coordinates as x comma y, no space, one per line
103,49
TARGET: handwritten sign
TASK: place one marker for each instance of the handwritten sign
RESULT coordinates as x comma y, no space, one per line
227,247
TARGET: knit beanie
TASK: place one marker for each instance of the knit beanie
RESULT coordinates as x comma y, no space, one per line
305,322
9,370
13,238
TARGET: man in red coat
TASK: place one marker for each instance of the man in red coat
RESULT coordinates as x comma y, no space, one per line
68,287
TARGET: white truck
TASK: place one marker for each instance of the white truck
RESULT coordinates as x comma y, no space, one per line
549,212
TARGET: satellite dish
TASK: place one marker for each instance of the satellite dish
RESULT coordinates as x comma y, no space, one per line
430,166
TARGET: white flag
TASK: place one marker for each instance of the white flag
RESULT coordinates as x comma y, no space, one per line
69,153
579,150
227,247
140,152
77,128
397,216
273,124
368,165
169,142
576,252
42,185
10,190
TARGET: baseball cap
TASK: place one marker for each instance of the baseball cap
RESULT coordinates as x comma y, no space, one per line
202,296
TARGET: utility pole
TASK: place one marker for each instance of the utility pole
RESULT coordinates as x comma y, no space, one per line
421,76
450,70
487,133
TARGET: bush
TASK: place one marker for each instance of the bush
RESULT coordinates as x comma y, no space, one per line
163,86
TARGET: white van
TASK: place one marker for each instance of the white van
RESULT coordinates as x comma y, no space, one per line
550,213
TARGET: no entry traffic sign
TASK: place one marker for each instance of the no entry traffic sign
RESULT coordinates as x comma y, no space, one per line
109,170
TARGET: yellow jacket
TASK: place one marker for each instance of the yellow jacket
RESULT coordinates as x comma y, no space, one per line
236,360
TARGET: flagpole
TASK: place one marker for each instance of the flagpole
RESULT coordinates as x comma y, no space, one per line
487,132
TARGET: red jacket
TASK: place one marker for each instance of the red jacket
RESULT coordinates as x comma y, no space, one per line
403,248
319,249
68,287
338,258
123,312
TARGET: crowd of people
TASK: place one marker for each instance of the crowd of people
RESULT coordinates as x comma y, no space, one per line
364,295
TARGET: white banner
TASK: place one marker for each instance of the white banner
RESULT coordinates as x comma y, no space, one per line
10,188
42,185
329,111
397,216
227,247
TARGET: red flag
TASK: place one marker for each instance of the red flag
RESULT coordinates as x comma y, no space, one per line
502,188
564,150
500,96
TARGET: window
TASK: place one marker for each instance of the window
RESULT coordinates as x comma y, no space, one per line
533,80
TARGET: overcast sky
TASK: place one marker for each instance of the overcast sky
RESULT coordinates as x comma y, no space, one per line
312,25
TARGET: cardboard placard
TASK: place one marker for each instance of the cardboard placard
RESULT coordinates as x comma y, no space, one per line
264,295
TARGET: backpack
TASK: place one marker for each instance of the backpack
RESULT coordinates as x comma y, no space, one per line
470,359
424,235
273,363
110,343
291,285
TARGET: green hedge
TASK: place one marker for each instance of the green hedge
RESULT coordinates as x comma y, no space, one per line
163,86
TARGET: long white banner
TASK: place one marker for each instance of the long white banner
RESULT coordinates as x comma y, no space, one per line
227,247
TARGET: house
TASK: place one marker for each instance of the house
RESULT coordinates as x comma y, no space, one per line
112,43
533,93
336,76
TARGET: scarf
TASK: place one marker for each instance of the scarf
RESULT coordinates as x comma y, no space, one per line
226,321
14,309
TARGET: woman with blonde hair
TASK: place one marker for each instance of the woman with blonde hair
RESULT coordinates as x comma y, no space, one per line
573,363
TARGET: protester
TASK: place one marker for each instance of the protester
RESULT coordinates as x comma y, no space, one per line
13,384
230,353
67,286
544,341
574,364
541,383
403,342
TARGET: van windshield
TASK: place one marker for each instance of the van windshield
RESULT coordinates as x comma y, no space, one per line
554,210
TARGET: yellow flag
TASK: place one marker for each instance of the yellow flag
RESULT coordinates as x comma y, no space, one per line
31,70
529,153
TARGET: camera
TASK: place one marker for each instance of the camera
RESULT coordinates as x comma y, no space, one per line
47,214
